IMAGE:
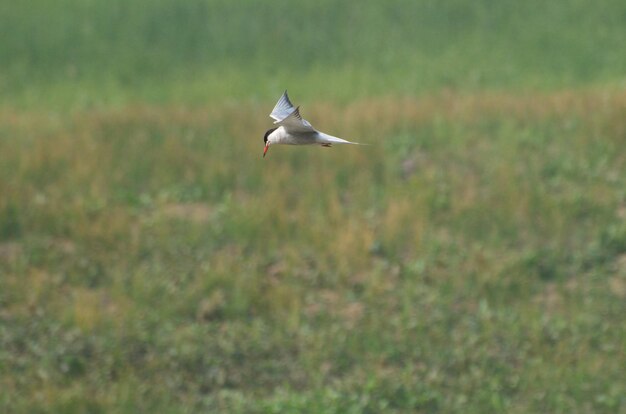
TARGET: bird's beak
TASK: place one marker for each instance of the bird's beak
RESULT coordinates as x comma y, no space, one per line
266,148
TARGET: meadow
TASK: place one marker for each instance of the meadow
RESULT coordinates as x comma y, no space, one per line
471,259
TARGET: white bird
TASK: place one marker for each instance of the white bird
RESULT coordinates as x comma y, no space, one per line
294,130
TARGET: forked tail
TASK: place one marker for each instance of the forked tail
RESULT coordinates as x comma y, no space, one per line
329,139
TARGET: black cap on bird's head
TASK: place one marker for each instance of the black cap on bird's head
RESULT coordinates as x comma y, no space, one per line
267,134
267,144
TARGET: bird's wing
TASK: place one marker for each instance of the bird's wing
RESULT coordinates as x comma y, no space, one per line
283,108
288,116
295,123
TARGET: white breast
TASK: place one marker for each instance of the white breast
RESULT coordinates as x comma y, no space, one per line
281,136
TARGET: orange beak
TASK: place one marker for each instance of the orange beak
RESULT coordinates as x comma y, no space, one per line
265,150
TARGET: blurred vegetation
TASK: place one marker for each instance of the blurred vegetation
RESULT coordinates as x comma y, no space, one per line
472,259
86,53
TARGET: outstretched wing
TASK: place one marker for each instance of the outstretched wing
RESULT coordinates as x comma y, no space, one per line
283,108
287,116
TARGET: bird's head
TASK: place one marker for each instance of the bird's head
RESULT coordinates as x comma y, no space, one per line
266,140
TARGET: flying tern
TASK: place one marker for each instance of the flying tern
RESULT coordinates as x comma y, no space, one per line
292,129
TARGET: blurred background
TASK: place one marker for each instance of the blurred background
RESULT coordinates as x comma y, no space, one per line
471,259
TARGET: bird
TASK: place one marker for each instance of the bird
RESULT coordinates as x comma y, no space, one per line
292,129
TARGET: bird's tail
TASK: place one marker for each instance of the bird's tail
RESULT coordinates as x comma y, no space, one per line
329,139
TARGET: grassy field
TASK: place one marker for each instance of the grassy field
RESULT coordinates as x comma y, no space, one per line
471,259
85,54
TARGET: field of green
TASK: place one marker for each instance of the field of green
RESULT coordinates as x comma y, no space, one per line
471,259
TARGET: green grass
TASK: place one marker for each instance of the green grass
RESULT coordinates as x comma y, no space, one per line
471,259
70,54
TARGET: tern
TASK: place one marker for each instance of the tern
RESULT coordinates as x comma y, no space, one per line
292,129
